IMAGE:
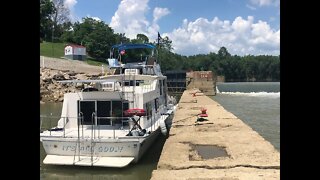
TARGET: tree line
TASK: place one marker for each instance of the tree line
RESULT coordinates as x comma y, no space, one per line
98,37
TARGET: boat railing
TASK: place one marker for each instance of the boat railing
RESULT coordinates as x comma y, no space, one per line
58,123
53,123
112,123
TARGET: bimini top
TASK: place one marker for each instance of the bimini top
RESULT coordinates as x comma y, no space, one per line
133,46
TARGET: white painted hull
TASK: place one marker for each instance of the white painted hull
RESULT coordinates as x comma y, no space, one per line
68,151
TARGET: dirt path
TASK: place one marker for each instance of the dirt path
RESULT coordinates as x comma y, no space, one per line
71,65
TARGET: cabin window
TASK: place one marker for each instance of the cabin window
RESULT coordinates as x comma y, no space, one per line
133,82
103,112
86,109
117,111
125,106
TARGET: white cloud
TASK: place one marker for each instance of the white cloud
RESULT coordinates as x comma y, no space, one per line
265,2
93,17
159,13
240,37
251,7
96,18
130,18
70,5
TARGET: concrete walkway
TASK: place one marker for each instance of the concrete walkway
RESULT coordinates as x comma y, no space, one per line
249,155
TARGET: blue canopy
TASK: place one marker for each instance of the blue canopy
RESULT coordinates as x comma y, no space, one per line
133,46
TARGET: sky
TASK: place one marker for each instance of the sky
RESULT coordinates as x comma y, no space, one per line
244,27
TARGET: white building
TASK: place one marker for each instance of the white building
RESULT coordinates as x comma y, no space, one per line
75,52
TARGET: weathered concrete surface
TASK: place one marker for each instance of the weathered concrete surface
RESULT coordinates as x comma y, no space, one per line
250,155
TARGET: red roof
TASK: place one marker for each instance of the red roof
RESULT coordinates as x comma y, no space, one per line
75,45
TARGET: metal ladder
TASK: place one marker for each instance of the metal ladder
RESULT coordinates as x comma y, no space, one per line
93,135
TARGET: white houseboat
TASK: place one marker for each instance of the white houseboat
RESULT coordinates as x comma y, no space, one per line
115,120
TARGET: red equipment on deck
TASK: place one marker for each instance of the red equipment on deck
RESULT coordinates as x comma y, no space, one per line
203,112
135,111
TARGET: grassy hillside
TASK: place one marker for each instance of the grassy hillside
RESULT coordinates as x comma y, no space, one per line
56,50
49,49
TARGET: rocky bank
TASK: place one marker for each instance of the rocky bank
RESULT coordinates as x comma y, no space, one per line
52,91
53,70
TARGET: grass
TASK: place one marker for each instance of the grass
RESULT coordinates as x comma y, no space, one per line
56,50
94,62
49,49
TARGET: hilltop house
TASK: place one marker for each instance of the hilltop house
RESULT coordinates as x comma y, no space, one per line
75,52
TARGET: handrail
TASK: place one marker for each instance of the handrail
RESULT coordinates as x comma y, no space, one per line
92,129
79,119
50,123
64,126
47,121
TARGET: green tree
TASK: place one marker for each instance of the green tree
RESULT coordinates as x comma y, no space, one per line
97,36
46,10
223,53
141,38
166,44
60,19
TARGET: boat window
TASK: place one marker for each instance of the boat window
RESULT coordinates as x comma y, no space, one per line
125,105
138,82
88,89
86,108
117,111
103,112
131,82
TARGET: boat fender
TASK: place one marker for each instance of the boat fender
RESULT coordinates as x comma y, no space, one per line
163,127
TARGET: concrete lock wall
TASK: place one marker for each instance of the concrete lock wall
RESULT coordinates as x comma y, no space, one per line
205,81
246,155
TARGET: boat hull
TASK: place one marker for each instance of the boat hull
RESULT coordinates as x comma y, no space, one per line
97,152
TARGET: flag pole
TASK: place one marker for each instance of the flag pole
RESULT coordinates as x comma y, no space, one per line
158,39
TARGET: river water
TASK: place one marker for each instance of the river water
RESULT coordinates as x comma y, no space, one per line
256,104
139,171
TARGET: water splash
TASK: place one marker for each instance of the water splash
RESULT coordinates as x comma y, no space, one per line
217,90
253,94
